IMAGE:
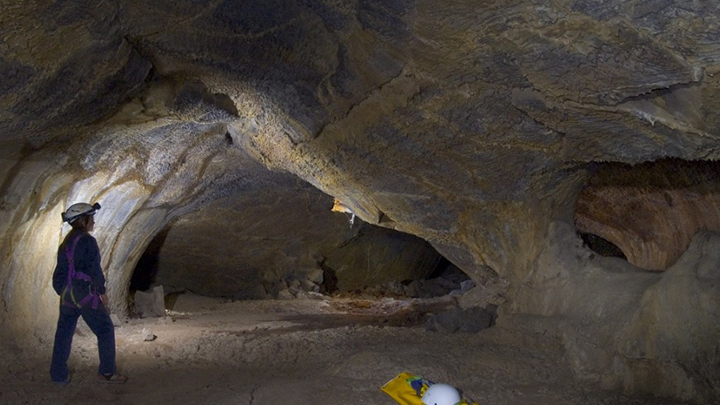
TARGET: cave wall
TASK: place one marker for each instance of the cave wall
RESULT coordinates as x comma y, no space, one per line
624,327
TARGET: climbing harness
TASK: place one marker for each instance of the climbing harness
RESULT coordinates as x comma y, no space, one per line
78,275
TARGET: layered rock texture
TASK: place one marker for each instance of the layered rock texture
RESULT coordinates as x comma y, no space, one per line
495,131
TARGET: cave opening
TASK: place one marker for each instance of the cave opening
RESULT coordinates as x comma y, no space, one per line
438,276
648,213
249,248
145,272
600,245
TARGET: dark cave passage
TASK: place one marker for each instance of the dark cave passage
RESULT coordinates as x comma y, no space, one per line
440,279
146,269
601,246
252,252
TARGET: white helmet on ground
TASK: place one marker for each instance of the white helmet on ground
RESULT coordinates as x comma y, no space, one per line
441,394
79,210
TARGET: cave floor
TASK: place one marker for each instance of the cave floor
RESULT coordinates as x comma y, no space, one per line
315,352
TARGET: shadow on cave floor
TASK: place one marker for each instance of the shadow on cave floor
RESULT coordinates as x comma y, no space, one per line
314,352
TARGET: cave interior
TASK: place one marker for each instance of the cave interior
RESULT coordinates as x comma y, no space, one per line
552,165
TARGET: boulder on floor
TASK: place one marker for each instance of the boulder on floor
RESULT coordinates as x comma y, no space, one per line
150,304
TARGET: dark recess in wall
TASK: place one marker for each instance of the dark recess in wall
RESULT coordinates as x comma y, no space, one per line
146,268
601,246
449,271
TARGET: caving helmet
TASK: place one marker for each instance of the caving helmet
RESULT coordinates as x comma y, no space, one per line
441,394
79,210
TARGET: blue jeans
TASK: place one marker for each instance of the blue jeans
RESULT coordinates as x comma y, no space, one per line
99,322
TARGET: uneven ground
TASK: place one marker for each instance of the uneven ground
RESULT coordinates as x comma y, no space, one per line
325,351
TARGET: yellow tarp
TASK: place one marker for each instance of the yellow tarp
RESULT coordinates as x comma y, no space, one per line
408,389
401,390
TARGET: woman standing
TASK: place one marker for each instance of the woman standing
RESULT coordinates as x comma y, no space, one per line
80,282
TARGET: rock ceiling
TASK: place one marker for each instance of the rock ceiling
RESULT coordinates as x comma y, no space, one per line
474,125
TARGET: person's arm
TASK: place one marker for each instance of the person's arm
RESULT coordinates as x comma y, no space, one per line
59,279
97,274
91,264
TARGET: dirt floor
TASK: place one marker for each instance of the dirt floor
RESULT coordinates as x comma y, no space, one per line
315,352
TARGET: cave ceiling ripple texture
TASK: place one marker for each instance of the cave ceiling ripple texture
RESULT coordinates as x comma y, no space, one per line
494,130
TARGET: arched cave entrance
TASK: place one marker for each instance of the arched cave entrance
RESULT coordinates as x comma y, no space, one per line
648,213
286,243
433,276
